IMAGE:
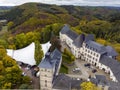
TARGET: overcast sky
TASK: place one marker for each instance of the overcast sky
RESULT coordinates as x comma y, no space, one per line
64,2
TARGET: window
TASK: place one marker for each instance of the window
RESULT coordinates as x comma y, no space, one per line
91,52
88,51
97,55
96,59
45,85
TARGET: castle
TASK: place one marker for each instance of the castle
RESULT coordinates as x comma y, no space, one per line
87,49
83,47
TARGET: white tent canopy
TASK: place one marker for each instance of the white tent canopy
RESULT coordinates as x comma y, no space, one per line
26,55
45,47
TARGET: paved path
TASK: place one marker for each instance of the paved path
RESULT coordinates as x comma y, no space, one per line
83,70
35,80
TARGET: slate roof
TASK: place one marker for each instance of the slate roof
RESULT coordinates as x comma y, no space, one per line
65,29
89,37
62,82
96,46
51,59
114,86
79,40
45,63
71,34
99,79
113,64
111,51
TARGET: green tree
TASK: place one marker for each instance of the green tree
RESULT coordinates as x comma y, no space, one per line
67,56
10,25
7,86
20,40
38,52
25,86
8,61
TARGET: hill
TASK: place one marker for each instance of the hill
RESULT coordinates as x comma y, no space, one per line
103,22
31,16
4,9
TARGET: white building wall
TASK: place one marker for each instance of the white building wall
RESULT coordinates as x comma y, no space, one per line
87,54
69,41
62,37
46,78
112,76
76,51
107,70
90,56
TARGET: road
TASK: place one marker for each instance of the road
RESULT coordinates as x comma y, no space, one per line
35,80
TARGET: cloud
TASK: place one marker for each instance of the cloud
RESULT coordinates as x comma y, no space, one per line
65,2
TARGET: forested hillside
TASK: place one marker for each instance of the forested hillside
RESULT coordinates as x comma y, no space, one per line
101,21
4,9
44,19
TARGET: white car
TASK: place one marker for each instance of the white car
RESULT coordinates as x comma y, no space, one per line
24,74
77,69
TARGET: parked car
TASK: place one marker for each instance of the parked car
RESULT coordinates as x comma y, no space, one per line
94,71
87,65
76,70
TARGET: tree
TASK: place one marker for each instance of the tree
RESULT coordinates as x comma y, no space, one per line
2,52
20,40
26,79
32,37
10,25
7,86
25,86
38,52
55,43
88,86
8,61
1,67
67,56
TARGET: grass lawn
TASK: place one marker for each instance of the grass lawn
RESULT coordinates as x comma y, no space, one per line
64,69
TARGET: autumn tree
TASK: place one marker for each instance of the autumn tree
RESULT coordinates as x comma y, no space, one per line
88,86
10,25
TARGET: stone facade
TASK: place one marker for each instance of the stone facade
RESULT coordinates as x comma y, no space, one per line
49,69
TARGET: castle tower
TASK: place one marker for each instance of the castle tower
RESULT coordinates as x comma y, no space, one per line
49,69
